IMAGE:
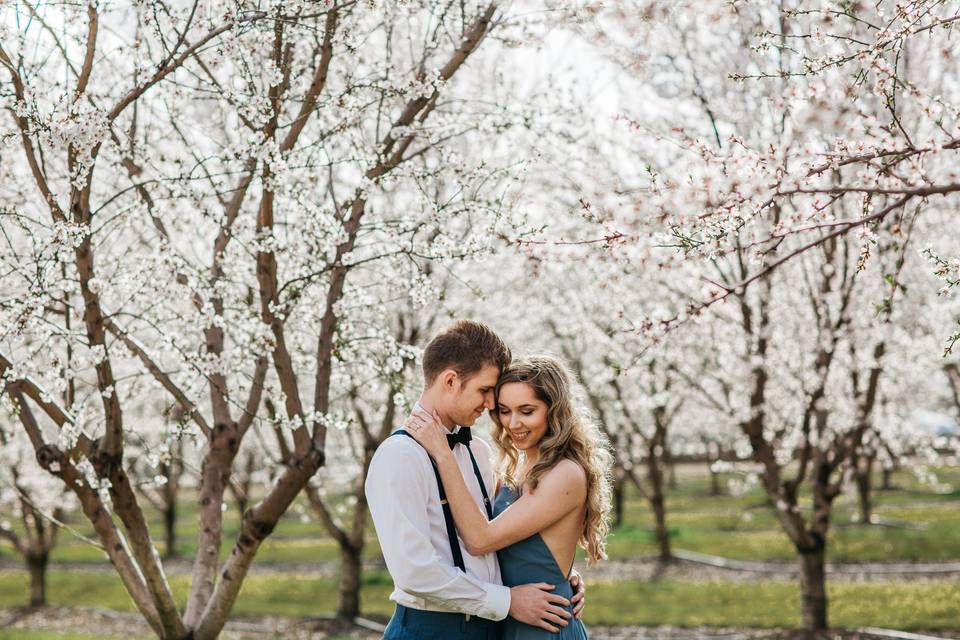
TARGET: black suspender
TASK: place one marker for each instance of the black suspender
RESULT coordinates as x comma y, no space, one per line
447,514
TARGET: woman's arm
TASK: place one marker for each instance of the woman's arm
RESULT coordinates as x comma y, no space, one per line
561,490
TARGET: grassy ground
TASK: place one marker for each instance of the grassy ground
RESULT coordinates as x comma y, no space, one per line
926,524
737,527
932,605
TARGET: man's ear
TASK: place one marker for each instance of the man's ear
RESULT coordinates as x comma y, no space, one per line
449,380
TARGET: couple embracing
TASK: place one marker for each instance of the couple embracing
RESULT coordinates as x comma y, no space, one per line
478,554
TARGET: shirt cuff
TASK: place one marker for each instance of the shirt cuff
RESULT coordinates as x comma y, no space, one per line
496,604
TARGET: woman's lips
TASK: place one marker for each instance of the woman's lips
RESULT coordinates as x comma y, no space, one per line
520,437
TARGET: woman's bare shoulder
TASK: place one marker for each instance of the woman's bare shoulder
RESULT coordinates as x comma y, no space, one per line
565,476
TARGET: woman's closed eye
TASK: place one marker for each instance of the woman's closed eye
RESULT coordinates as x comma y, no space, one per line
504,411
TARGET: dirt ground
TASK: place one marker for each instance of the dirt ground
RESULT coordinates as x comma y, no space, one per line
109,623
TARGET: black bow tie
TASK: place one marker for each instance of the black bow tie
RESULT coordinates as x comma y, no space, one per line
460,437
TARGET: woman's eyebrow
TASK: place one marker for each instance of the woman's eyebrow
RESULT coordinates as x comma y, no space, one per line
522,406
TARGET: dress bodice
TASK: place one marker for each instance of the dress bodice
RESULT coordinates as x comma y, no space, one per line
527,561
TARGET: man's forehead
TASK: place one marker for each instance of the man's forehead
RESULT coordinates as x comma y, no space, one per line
488,375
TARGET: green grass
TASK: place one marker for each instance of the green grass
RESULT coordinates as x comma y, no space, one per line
931,605
905,606
740,527
743,527
856,543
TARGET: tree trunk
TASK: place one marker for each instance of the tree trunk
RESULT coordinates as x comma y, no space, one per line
37,565
863,477
813,592
170,530
887,480
348,599
655,470
241,499
671,472
663,536
714,480
619,485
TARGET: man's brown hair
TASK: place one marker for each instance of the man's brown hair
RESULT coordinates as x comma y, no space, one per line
465,346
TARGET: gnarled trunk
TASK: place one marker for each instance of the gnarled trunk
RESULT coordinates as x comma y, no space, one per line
348,593
658,456
864,486
887,480
37,566
671,470
663,535
655,464
619,482
714,480
241,501
170,530
813,590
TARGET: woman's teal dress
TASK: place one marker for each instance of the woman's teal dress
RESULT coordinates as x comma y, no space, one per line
527,561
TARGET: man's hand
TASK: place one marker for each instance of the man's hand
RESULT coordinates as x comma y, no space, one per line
579,593
533,604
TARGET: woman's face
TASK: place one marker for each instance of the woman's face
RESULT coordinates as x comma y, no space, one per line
522,414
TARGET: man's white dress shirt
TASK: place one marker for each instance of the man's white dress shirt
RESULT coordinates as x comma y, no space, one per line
401,490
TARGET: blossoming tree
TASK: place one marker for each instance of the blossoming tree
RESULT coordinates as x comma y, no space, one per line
210,200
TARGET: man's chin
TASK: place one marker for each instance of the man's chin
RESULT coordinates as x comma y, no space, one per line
470,420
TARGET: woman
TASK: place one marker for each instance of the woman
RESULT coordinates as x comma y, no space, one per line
553,491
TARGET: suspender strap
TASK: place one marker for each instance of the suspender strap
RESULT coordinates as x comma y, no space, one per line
447,514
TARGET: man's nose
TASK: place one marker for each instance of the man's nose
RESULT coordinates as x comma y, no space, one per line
488,400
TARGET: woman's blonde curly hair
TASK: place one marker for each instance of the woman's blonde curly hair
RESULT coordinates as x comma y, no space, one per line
570,435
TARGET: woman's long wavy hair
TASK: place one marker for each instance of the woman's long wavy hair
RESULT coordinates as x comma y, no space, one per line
569,435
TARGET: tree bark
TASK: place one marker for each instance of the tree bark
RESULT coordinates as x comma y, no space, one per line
37,566
258,522
619,484
659,456
864,486
348,599
241,500
887,480
214,476
655,470
663,535
714,480
170,530
813,592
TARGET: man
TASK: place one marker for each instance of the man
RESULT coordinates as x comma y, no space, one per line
441,590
